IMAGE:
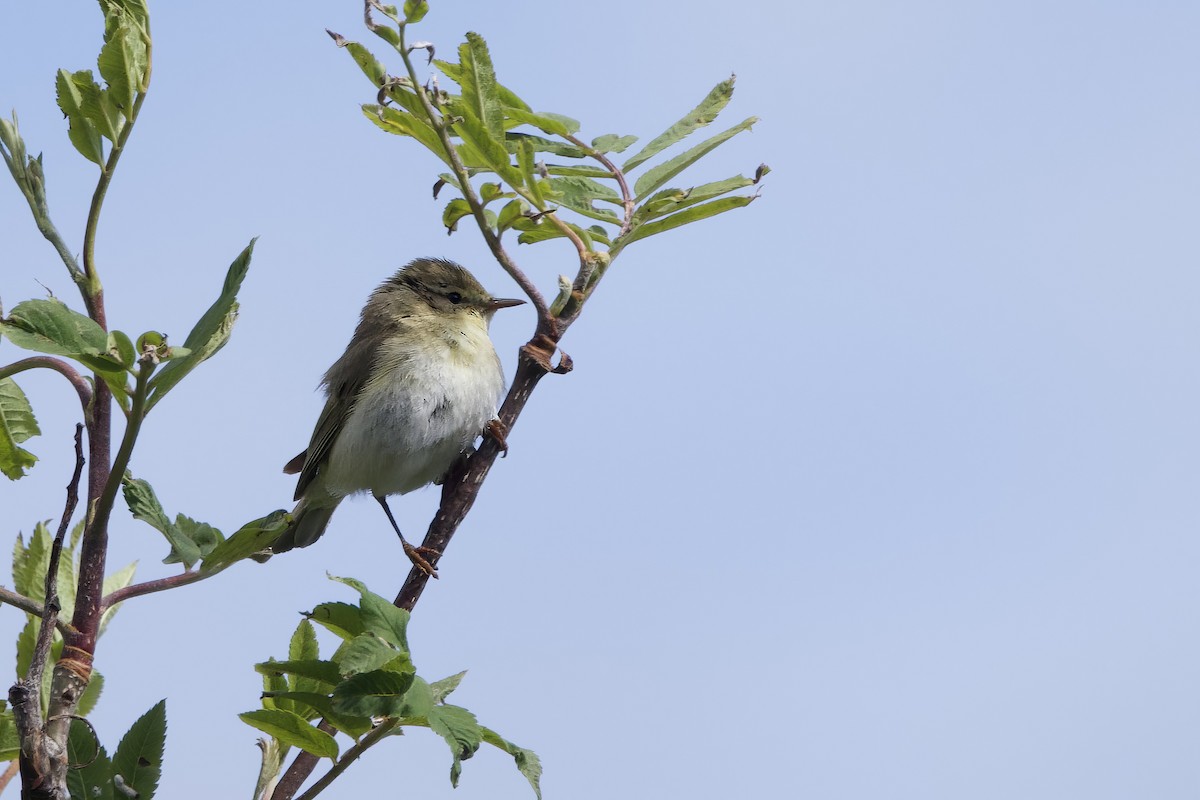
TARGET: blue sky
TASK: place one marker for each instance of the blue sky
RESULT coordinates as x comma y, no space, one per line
882,487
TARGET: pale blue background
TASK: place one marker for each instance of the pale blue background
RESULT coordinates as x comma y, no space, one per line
884,487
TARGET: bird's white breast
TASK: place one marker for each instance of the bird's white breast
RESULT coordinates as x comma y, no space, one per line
424,405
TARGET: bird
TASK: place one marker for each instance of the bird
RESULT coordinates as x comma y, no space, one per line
418,382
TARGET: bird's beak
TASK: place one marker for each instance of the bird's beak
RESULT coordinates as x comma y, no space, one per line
497,303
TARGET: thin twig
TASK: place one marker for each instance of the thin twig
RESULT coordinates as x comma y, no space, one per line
41,650
28,605
10,773
460,171
150,587
348,758
82,387
627,198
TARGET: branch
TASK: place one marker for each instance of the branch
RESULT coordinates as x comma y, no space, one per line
627,198
42,755
348,758
545,320
300,769
150,587
82,387
28,605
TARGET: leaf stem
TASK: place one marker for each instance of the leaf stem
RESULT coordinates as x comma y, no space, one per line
349,757
150,587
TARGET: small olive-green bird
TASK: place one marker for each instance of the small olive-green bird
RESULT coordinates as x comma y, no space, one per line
419,381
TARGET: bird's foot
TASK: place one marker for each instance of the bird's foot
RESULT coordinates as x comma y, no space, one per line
420,556
498,431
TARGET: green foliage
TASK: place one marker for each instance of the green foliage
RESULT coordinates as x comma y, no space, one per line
485,129
138,760
368,688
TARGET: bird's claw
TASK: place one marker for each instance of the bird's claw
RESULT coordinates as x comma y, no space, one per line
498,431
418,556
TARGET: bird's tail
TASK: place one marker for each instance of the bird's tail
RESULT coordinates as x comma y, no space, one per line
308,523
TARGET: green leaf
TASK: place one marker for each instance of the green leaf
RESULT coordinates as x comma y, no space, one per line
90,775
367,62
121,348
209,334
48,326
659,175
139,755
670,200
323,672
555,124
527,164
461,731
578,171
10,741
380,616
455,210
17,424
82,133
415,10
381,693
528,764
546,231
478,82
490,149
612,143
403,123
442,689
513,140
292,729
577,194
205,536
511,211
123,62
303,645
321,705
692,214
342,619
144,505
253,537
364,653
31,561
697,118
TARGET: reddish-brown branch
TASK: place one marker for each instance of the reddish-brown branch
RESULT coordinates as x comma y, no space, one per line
150,587
82,387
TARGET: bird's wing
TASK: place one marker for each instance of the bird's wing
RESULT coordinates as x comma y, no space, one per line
344,380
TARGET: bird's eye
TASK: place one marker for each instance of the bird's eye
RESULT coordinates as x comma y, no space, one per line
454,297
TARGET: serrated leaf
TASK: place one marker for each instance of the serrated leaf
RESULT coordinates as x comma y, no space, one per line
364,653
320,705
138,758
323,672
30,562
579,171
48,326
697,118
275,683
669,201
366,61
123,61
292,729
577,194
90,776
80,130
381,617
691,214
528,763
442,689
17,424
403,123
10,741
373,694
511,211
488,149
253,537
540,144
612,143
342,619
144,505
526,162
455,210
461,731
303,645
209,334
478,82
662,173
205,536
